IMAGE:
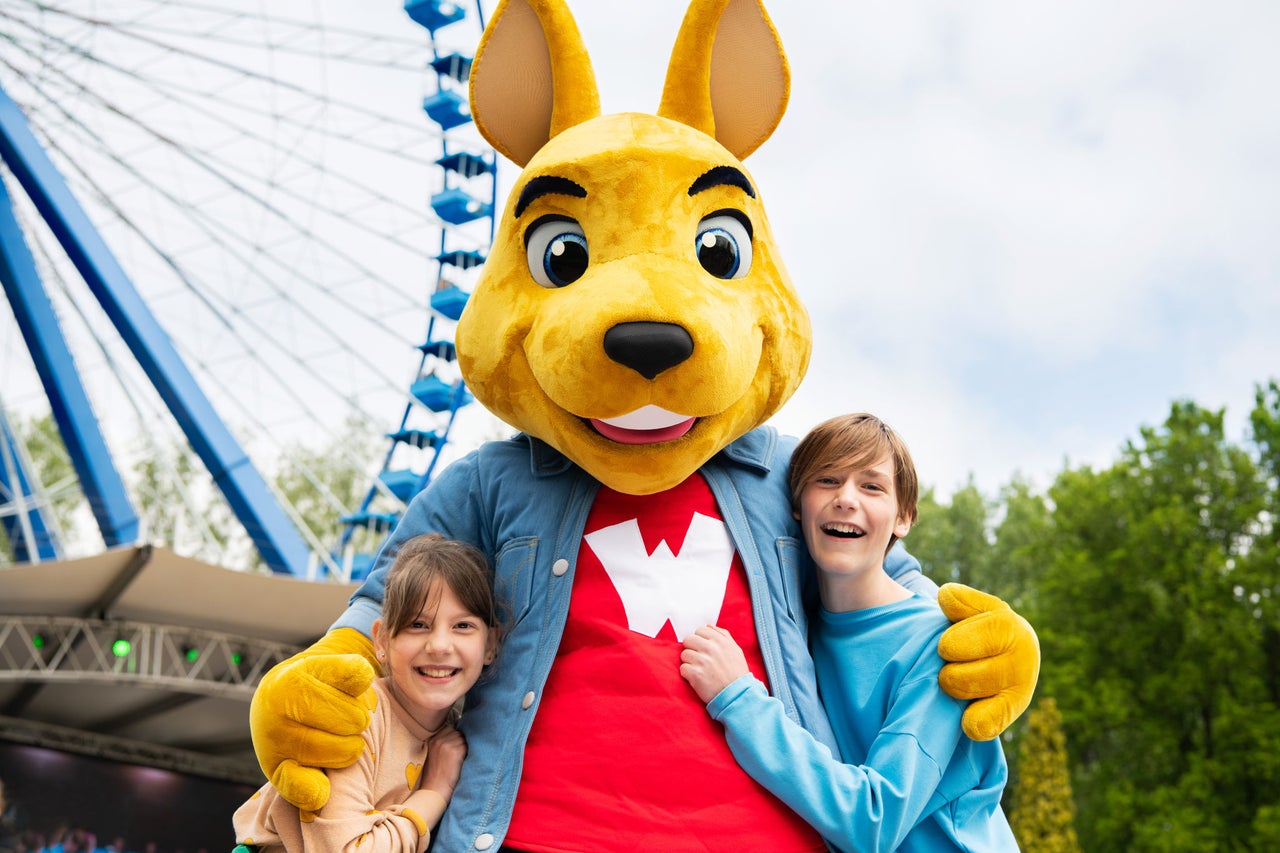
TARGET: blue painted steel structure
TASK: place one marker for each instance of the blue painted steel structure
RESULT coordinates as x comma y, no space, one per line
277,540
68,401
457,203
30,535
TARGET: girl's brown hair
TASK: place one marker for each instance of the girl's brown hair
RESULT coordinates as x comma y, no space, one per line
419,563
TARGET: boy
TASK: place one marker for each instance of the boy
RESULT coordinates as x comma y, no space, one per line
915,782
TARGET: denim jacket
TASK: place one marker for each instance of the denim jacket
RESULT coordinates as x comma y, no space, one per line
525,505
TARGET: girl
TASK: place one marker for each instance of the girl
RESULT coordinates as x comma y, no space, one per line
437,632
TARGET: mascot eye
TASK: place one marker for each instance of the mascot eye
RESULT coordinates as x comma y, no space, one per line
723,244
556,250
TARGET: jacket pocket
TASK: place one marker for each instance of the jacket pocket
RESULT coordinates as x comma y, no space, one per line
793,562
513,578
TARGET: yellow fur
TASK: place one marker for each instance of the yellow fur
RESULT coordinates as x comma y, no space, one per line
535,356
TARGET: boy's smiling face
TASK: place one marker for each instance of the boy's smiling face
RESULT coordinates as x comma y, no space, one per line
848,516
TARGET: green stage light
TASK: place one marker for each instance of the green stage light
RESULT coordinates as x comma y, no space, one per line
37,641
121,648
191,653
237,658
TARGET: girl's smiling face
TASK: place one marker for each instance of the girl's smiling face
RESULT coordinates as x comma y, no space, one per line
437,657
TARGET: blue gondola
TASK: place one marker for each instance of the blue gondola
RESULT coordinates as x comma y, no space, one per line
458,206
434,14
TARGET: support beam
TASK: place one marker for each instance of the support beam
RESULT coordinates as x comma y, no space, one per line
25,515
68,401
277,540
49,736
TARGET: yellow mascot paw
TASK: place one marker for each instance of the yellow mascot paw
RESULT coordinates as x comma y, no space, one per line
305,787
309,712
994,659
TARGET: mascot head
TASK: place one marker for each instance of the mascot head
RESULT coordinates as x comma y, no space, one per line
633,312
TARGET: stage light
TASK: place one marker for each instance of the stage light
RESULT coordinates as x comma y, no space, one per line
121,648
37,641
237,658
191,653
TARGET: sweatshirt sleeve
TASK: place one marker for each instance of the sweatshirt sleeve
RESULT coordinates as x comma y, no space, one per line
868,807
352,819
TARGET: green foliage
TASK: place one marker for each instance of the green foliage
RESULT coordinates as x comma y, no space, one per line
53,471
1151,644
1042,811
1154,585
323,484
179,504
952,542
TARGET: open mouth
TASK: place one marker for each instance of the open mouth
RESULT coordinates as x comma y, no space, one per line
646,425
437,672
843,531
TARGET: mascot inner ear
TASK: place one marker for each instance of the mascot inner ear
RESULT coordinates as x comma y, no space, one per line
728,76
531,77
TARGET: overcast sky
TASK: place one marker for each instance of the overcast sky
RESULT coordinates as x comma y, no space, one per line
1022,230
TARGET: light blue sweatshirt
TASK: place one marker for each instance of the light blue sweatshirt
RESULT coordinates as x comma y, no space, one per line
914,781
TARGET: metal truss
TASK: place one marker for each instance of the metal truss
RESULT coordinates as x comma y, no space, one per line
181,659
186,662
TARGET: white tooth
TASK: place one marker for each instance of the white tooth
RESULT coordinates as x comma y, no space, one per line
646,417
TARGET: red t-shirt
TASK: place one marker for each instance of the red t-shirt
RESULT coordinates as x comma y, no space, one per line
623,755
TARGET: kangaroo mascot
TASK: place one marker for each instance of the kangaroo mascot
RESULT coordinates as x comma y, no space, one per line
635,324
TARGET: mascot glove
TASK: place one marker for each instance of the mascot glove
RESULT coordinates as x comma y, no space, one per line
309,712
994,659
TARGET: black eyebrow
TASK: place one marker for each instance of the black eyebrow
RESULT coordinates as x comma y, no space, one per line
547,185
720,176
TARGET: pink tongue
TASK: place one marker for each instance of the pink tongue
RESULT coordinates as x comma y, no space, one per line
642,436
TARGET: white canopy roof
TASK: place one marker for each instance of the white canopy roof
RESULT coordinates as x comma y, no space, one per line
61,687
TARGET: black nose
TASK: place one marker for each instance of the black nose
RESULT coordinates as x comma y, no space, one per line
648,348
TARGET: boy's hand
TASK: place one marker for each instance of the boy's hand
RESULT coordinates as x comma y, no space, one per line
994,659
711,661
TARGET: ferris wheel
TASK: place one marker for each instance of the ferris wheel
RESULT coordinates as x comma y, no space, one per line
246,229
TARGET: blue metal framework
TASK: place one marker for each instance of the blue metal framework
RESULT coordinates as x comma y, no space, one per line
277,540
31,537
68,401
468,196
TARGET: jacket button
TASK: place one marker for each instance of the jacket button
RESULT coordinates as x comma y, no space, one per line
527,702
559,567
484,841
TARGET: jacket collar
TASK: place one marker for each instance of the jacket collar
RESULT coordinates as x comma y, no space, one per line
753,450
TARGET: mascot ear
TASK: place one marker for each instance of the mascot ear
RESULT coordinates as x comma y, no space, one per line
728,76
531,77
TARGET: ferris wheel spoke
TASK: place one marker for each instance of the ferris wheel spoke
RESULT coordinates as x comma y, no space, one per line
276,209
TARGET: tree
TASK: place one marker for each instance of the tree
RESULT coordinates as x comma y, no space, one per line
56,476
325,483
1042,811
1018,558
1151,644
951,541
178,504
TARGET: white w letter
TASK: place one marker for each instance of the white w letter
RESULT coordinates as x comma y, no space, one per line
686,590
